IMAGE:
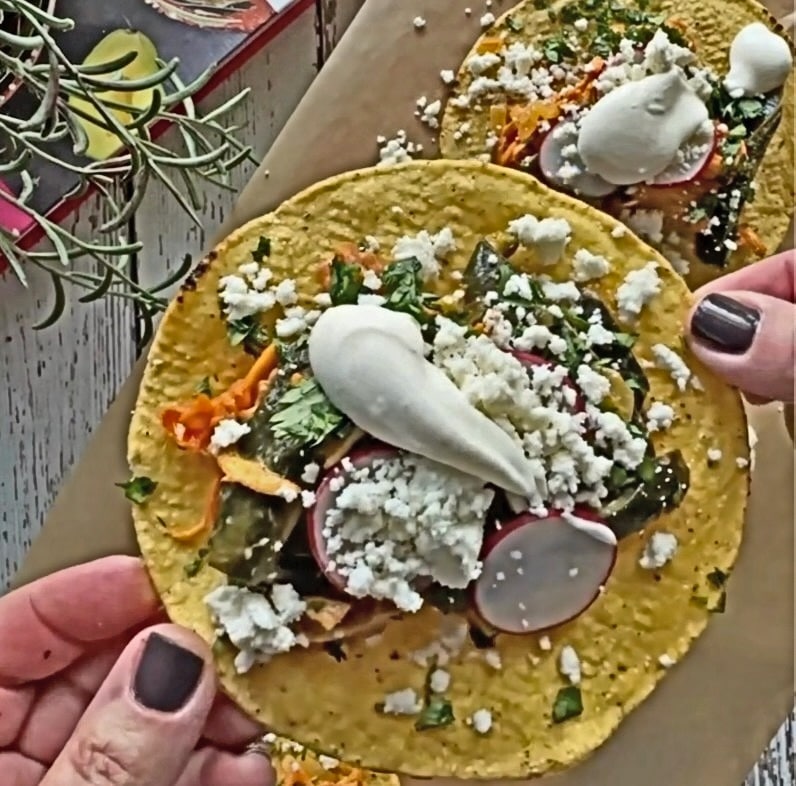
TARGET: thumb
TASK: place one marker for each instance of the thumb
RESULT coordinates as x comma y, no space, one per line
146,718
748,339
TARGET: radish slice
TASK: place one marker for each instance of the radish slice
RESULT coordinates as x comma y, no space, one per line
692,160
325,497
529,360
551,160
542,572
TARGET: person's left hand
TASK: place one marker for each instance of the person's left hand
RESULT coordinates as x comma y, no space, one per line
90,695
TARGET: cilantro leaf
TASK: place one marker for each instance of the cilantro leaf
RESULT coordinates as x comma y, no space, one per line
137,489
717,578
247,331
203,386
346,282
403,288
557,49
437,713
263,249
568,704
305,415
195,565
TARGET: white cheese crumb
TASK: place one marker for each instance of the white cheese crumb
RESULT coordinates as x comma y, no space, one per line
371,281
581,24
667,359
439,681
397,150
638,288
323,299
667,661
659,416
227,432
419,22
427,248
492,657
372,244
753,439
468,11
548,238
482,721
447,76
487,19
307,498
328,762
660,549
569,664
545,644
259,628
714,455
741,462
587,266
311,472
594,385
647,224
402,702
619,231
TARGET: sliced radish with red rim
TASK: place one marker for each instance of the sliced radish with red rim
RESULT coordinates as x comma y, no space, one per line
696,157
325,497
552,159
542,572
529,360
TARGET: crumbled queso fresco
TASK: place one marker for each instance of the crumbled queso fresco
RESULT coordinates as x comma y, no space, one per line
258,627
401,519
427,248
569,664
536,410
660,549
638,288
547,237
227,432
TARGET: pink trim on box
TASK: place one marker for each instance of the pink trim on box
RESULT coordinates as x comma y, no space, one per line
12,218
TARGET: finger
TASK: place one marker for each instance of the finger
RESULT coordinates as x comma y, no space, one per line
15,705
773,276
228,727
146,718
747,339
51,621
19,771
212,767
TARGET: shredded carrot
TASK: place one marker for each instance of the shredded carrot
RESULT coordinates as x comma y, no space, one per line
713,168
751,240
491,44
296,773
205,524
192,424
254,475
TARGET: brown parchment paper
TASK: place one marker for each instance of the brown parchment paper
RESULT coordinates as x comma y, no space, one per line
715,713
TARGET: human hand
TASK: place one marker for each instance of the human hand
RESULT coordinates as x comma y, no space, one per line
743,327
90,695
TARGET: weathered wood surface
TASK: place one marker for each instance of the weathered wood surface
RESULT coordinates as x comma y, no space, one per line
58,383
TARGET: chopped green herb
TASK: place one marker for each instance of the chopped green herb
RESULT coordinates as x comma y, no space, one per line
138,489
568,704
721,604
204,387
305,415
717,578
263,249
438,712
514,25
195,565
403,288
247,331
557,49
346,282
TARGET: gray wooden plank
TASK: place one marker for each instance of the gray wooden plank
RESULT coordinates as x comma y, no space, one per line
57,384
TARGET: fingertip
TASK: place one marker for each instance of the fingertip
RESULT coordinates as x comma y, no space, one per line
213,767
229,727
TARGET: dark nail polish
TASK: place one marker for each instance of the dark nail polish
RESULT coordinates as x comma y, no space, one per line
167,674
725,323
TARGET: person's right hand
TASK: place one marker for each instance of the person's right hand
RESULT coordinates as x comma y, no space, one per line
743,327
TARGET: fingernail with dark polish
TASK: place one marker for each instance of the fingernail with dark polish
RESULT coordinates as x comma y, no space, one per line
167,674
725,323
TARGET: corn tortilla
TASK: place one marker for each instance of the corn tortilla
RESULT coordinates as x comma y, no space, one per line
712,24
327,705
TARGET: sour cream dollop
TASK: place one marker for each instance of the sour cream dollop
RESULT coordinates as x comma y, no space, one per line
760,61
370,363
634,132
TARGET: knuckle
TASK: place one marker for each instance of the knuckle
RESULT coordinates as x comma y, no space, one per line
99,761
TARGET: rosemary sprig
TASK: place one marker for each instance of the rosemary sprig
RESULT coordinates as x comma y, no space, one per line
207,151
